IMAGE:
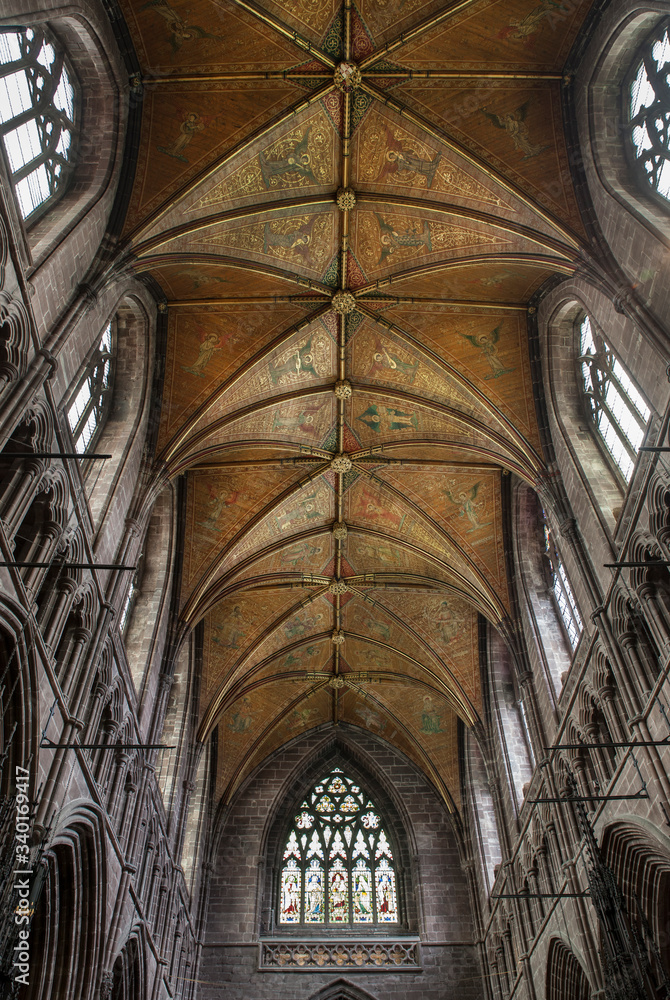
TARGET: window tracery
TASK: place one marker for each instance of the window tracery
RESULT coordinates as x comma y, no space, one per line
337,867
37,115
615,405
87,411
565,599
649,112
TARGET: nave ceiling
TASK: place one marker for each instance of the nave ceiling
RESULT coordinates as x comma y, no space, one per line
348,209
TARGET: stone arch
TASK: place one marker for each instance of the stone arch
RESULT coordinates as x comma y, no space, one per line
338,753
111,487
482,817
69,915
611,67
99,118
152,590
40,530
17,697
580,440
21,476
640,861
128,971
545,639
340,989
14,339
507,718
566,979
653,588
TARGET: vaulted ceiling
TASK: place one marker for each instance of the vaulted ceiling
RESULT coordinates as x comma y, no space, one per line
348,209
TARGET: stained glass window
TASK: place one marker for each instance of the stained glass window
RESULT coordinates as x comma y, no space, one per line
337,866
86,413
617,408
37,115
649,112
565,599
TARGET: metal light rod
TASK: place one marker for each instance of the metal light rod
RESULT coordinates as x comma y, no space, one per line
47,565
650,562
540,895
51,454
46,744
594,746
593,798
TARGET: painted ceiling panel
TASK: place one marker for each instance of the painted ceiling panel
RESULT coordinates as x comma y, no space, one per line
348,210
512,34
516,129
207,346
189,127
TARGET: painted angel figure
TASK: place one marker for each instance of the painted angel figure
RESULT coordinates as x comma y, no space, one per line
302,360
180,30
209,344
298,240
398,159
514,123
430,718
217,503
522,28
486,342
191,124
468,504
383,359
298,161
303,421
392,240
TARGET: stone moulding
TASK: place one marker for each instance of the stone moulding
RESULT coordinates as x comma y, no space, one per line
382,955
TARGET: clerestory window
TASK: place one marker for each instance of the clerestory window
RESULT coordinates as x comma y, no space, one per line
87,411
338,866
648,100
615,405
124,617
37,115
565,599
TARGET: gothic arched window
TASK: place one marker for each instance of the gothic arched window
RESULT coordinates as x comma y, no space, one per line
86,413
337,866
37,115
648,100
616,407
565,599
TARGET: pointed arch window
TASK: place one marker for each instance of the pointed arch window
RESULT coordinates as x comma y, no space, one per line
37,115
337,867
87,411
648,102
617,408
565,599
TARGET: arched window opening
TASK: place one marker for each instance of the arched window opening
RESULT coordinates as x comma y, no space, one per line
37,115
565,976
565,599
616,407
127,606
86,413
337,866
648,101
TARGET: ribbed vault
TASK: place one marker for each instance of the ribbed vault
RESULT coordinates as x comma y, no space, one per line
348,209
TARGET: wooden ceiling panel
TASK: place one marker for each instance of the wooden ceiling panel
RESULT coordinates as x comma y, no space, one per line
348,266
516,129
208,345
521,35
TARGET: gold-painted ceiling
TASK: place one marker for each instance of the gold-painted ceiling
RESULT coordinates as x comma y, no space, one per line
441,123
